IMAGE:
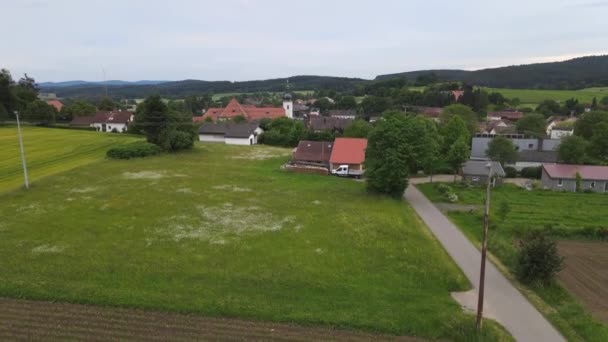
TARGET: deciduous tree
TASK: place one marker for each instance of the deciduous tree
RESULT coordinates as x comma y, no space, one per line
572,150
457,155
532,124
502,150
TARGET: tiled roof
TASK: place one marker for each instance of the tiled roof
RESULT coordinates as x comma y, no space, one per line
568,171
55,103
507,114
328,124
82,121
103,117
313,151
348,151
229,130
249,112
457,94
343,113
432,112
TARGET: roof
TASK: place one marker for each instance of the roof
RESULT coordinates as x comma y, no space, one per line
479,168
55,103
343,112
348,151
507,114
537,156
112,117
432,112
457,94
229,130
313,151
328,124
249,112
82,121
590,172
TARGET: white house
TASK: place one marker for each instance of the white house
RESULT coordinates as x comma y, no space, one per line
230,133
115,121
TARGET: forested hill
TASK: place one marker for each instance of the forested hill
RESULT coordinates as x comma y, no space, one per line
575,73
187,87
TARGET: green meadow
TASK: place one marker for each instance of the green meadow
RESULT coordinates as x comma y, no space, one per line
224,231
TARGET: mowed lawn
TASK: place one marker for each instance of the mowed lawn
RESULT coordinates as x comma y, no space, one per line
536,96
564,215
50,151
223,231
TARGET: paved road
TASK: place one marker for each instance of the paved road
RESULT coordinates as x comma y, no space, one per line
507,305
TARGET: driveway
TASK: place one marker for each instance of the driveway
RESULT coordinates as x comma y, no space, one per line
502,300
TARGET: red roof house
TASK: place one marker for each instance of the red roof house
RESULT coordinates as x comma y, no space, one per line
348,151
234,109
55,103
457,94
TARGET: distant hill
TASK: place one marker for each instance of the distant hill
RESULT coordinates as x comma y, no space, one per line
186,87
575,73
84,83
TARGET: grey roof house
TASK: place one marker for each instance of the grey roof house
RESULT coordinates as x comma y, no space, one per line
476,172
230,133
533,152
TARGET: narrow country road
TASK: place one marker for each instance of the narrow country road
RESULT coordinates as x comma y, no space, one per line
506,304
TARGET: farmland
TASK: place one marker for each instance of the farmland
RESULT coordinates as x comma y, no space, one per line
536,96
222,231
50,151
578,216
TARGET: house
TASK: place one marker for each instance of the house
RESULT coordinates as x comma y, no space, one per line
563,177
507,114
56,104
331,124
560,128
348,151
430,112
114,121
497,127
251,113
476,172
532,151
313,152
533,159
457,94
230,133
343,113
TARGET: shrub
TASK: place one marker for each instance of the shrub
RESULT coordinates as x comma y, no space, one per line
531,172
538,260
133,150
444,188
510,172
452,197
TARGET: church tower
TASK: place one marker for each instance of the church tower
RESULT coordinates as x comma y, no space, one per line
288,102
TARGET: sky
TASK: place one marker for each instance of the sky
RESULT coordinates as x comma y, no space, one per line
237,40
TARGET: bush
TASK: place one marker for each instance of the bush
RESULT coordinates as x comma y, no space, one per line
510,172
531,172
133,150
444,188
538,260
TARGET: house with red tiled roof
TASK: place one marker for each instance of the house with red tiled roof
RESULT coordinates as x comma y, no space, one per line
457,94
249,112
115,121
55,103
348,151
563,177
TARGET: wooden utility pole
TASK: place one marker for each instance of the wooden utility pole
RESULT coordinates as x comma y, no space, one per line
484,248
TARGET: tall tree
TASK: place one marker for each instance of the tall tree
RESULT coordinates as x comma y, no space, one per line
153,118
357,129
465,113
7,99
586,123
39,111
532,124
457,155
502,150
106,104
77,108
453,130
572,150
387,156
598,144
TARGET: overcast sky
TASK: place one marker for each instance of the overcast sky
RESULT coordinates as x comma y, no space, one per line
59,40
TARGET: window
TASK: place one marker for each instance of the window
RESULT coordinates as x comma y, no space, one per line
592,185
475,179
530,146
606,187
560,182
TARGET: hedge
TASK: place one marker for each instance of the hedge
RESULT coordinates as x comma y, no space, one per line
134,150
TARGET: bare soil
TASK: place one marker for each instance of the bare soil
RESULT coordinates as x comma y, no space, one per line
585,274
37,320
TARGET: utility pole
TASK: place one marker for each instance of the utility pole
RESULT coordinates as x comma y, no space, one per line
27,185
484,248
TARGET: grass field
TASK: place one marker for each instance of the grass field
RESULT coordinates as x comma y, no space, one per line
223,231
50,151
570,215
534,96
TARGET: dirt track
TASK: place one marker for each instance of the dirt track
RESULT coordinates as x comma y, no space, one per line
34,320
586,274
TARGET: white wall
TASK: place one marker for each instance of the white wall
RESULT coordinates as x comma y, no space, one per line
242,141
288,106
211,137
558,134
120,127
